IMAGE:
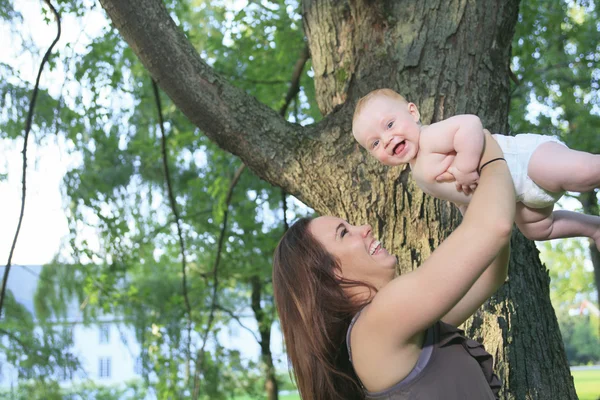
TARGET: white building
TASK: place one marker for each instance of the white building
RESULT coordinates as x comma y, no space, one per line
108,351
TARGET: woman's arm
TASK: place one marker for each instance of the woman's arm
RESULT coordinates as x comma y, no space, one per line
488,283
414,301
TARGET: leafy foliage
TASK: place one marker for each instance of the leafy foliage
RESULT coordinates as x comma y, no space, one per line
38,351
571,284
554,60
125,258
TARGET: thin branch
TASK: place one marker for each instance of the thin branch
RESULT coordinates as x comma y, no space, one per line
25,139
177,223
291,94
160,228
295,82
284,206
211,315
238,320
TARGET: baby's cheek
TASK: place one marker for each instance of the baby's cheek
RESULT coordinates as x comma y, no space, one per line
382,158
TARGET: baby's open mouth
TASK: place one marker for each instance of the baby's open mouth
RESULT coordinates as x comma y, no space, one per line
399,147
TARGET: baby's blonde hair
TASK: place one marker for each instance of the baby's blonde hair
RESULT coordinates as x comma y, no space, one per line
371,95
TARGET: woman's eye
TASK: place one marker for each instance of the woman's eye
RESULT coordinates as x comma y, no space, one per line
375,144
390,124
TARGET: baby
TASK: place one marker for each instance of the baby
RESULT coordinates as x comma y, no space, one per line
542,167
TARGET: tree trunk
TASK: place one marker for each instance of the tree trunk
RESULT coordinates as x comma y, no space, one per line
449,58
264,328
589,201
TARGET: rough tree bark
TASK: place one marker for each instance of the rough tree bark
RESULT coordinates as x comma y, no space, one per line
589,201
448,57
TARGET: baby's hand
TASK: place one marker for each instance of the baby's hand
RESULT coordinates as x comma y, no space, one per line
465,182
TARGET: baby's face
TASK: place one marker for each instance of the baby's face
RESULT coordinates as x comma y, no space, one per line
389,129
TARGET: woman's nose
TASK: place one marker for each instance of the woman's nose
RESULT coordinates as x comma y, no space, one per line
366,230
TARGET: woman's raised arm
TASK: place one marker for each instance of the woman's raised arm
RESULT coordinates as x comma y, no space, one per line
412,302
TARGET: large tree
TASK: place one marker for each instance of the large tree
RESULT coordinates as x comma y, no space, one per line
447,57
555,63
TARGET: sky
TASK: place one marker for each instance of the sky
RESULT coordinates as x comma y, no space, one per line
44,224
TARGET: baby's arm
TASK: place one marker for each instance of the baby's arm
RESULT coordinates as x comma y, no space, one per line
462,134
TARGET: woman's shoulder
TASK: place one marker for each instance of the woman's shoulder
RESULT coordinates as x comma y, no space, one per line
367,327
380,361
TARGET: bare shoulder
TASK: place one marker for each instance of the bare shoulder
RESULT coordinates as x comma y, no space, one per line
428,134
379,360
439,136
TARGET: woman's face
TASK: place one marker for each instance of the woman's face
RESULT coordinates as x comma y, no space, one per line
361,256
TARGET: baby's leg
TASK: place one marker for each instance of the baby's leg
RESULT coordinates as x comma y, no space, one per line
543,224
557,168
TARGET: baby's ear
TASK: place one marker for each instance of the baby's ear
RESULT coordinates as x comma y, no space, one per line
414,111
356,139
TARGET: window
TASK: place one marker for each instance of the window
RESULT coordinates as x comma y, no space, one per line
138,367
104,367
104,333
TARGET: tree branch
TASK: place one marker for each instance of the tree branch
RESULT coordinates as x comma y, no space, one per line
173,204
238,320
206,98
295,82
292,92
277,151
213,306
25,139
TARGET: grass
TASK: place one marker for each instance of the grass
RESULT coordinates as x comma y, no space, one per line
587,384
281,397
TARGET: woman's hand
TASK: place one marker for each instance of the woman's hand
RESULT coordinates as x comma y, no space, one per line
491,150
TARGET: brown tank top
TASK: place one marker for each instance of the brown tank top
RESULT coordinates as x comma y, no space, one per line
450,367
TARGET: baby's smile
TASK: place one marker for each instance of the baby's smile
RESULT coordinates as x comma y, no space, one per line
399,148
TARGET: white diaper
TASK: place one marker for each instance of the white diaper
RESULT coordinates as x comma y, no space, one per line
517,152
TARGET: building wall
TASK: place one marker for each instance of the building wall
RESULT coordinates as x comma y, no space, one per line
121,349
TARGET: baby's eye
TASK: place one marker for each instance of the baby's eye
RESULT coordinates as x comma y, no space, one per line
390,124
375,144
343,232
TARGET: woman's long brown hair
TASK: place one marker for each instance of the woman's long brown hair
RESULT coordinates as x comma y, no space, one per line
315,314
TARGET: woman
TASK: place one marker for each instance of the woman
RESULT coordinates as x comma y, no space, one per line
352,330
